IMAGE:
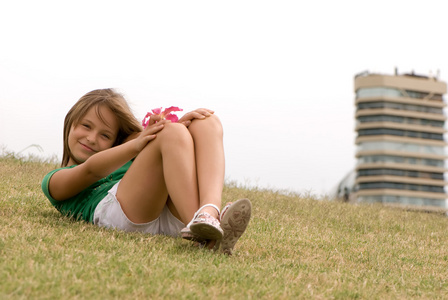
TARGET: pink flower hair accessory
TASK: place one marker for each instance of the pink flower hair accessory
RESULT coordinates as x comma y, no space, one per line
166,114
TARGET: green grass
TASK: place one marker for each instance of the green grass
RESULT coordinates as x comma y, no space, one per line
294,247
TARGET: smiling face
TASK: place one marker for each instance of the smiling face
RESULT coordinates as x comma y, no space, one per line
95,132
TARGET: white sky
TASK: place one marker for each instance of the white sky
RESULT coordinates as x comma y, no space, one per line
279,74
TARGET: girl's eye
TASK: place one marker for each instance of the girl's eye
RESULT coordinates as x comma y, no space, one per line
106,136
86,125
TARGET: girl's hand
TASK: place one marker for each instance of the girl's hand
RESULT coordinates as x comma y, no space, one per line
149,133
200,113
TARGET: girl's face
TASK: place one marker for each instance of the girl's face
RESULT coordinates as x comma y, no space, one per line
91,135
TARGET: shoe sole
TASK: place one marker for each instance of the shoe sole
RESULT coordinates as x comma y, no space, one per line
206,231
234,222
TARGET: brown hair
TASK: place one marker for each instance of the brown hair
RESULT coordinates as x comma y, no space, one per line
109,98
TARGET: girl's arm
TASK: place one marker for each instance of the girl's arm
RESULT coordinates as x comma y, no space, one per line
67,183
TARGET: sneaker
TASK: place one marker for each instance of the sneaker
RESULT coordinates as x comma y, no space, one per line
204,226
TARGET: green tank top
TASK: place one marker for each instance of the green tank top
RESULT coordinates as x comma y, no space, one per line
82,206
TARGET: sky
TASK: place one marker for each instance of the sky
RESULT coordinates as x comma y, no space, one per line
279,74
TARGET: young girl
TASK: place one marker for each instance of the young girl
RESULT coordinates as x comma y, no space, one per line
155,180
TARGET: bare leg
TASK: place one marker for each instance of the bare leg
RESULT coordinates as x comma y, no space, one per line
210,161
186,164
165,167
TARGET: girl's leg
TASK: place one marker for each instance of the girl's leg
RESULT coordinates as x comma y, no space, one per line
166,166
210,165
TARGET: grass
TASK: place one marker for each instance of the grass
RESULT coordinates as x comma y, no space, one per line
294,248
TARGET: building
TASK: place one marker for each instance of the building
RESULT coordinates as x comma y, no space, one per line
400,140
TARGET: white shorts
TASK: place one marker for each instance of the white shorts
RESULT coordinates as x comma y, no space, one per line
109,214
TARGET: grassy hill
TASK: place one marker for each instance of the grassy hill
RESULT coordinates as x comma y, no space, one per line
294,248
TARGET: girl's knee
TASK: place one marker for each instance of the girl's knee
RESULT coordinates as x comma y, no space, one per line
174,133
211,123
215,121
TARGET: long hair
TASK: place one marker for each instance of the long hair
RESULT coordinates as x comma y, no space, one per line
109,98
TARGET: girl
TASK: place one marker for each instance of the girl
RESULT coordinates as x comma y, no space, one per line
155,180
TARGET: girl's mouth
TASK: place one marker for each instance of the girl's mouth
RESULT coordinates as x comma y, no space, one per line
87,147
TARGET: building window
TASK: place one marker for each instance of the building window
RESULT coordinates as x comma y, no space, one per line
392,92
405,147
402,200
401,160
399,106
378,92
399,132
402,173
400,186
398,119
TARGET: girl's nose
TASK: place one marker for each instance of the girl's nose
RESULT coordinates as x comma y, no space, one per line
91,138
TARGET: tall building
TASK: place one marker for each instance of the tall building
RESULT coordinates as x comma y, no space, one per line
400,139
